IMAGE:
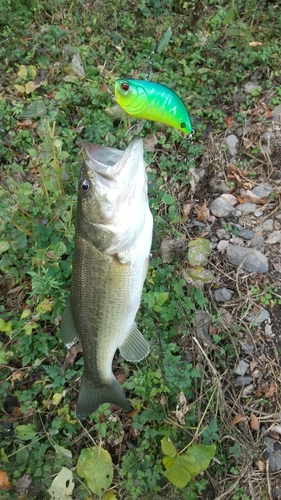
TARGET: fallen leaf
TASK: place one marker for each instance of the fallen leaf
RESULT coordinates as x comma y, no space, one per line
230,198
240,199
247,143
203,213
187,208
31,86
237,420
23,483
228,121
252,198
266,389
254,422
194,179
181,408
22,72
150,142
104,87
27,124
171,248
16,412
4,481
272,390
19,89
255,44
72,354
261,465
277,266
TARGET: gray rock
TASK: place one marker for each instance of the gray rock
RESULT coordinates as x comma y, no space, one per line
267,225
249,348
232,141
274,237
250,259
222,234
247,208
220,208
260,317
263,190
250,87
258,213
257,241
241,368
201,323
268,137
277,114
237,241
278,216
246,234
246,380
273,453
222,295
218,186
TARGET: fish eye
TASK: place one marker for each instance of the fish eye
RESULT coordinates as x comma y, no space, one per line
125,86
183,125
84,185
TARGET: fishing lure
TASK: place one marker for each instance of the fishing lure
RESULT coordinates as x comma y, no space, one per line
148,100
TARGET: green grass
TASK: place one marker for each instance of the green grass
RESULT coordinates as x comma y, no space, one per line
208,59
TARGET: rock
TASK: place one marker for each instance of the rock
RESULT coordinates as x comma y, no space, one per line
201,323
267,225
276,114
274,237
268,330
222,234
242,367
249,348
222,295
246,234
232,200
260,317
263,190
273,453
250,259
201,173
218,186
257,241
232,141
246,208
220,208
258,213
278,216
268,136
246,380
237,241
250,87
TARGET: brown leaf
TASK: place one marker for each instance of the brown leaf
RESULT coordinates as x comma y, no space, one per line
247,143
271,390
251,197
228,121
240,199
239,418
104,87
72,354
255,44
266,389
27,124
254,422
16,412
261,465
4,481
203,213
187,208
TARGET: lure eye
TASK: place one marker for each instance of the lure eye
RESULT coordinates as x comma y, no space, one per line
85,185
125,86
183,125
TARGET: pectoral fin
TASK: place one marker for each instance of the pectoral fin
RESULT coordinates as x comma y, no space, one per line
135,347
68,329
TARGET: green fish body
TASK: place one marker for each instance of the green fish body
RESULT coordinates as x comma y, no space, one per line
112,245
148,100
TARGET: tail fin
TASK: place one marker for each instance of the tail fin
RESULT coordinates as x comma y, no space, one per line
91,397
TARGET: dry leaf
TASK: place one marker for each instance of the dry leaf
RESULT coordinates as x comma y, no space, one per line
251,197
277,266
104,87
23,483
203,213
229,198
255,44
182,408
16,412
254,422
240,199
4,481
261,465
228,121
266,389
150,142
194,180
72,354
187,208
272,390
28,124
239,418
247,143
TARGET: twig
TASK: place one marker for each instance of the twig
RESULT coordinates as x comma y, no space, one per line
233,486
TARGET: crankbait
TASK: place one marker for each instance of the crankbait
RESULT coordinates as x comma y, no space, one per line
148,100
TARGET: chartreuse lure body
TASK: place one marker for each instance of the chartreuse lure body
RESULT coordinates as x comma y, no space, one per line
148,100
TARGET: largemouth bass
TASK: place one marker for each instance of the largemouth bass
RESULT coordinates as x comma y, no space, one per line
112,244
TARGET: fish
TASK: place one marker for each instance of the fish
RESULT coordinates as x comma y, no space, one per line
113,238
147,100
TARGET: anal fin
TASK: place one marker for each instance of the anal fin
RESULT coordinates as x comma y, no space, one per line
68,329
134,347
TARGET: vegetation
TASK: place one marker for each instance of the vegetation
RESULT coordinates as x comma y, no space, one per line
59,61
